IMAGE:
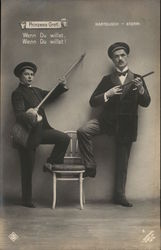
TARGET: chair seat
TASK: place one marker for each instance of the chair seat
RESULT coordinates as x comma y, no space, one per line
68,167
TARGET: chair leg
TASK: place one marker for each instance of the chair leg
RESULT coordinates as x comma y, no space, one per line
54,190
84,199
81,189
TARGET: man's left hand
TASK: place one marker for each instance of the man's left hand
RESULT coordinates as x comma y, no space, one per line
62,81
139,84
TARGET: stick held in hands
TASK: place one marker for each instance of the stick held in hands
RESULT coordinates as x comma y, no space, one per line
65,76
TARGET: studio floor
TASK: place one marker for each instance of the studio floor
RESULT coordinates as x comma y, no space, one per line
100,226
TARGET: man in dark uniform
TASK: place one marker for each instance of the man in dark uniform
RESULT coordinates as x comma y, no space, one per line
24,100
119,116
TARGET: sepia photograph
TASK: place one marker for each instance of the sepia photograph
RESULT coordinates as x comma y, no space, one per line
80,125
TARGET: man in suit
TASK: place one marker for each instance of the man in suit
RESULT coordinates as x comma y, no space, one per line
118,118
24,100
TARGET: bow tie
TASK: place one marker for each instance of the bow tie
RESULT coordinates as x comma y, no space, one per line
122,73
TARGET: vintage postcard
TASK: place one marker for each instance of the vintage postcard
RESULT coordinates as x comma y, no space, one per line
97,62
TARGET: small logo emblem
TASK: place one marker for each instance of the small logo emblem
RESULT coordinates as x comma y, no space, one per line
13,236
149,237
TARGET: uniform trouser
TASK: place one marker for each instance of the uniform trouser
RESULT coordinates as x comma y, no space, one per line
122,157
85,135
27,158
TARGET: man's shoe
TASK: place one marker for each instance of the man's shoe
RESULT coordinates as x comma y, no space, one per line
48,167
28,204
85,174
123,202
91,172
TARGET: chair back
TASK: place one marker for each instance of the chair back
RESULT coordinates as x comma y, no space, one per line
73,154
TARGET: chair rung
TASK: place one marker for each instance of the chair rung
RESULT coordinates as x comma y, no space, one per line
72,157
68,171
68,179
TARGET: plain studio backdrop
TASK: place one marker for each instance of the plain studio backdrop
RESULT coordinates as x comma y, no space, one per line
72,109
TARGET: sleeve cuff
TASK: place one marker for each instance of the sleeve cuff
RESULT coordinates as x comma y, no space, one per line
141,92
105,97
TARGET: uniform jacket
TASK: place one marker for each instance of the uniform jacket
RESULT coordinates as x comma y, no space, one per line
120,114
24,98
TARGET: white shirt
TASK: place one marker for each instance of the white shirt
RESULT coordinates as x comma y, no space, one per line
122,80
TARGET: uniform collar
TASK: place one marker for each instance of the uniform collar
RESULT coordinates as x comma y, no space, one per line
125,69
25,86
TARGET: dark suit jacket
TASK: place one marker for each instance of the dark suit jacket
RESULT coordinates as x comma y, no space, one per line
119,116
24,98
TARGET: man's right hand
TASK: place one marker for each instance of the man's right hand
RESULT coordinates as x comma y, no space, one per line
33,116
117,90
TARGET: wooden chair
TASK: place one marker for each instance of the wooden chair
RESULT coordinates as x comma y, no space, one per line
71,170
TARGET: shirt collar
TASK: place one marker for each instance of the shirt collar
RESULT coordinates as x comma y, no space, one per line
125,69
26,86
